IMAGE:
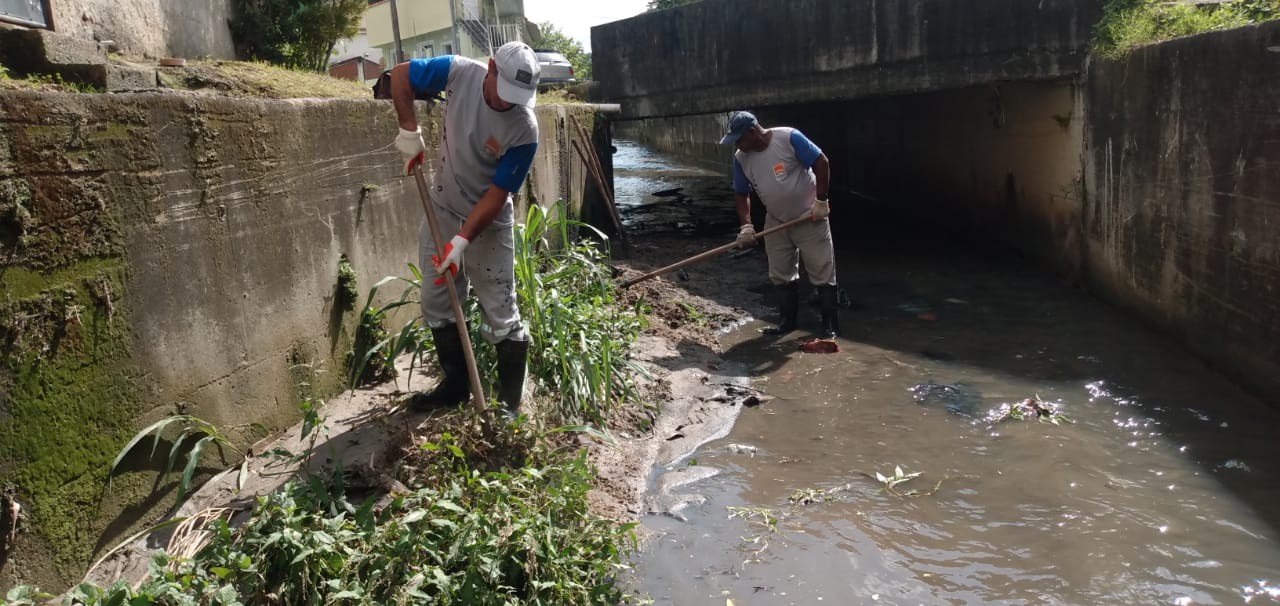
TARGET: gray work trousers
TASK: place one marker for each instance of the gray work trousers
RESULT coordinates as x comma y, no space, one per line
810,241
487,267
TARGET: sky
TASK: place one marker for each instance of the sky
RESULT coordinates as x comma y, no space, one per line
575,17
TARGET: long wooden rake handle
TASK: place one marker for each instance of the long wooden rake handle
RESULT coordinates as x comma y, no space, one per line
713,252
460,320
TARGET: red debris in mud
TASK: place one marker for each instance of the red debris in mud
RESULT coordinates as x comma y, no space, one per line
820,346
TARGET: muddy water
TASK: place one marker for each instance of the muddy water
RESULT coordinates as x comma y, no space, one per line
1164,490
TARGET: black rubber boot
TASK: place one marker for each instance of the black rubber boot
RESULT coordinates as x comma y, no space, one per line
830,319
789,306
454,387
512,359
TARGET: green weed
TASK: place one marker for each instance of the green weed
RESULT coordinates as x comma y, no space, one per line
581,337
204,434
891,483
523,536
1127,24
348,291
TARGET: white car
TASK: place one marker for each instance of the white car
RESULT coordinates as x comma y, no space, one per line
555,67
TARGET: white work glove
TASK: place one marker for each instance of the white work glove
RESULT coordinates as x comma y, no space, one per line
821,208
452,257
747,236
411,147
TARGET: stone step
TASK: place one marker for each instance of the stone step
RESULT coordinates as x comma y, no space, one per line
34,51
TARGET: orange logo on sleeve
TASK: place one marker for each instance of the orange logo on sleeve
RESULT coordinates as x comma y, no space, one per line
492,146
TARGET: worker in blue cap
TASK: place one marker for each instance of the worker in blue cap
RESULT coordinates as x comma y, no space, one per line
790,175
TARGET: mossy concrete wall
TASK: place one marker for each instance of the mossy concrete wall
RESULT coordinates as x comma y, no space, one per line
182,252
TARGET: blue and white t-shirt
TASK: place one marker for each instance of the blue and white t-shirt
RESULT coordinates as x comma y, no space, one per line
481,146
782,174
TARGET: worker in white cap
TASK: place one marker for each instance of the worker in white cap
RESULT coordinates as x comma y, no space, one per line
487,145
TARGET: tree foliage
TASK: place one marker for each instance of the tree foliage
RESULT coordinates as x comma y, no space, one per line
294,33
553,38
657,5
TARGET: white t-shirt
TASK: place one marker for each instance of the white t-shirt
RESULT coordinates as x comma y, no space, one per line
781,177
480,146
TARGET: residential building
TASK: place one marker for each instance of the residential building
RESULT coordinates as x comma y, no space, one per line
427,27
354,59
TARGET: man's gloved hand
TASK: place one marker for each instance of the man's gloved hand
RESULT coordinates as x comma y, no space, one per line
452,257
411,147
821,208
747,236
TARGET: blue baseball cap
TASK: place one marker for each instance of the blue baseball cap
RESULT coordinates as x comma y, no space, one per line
739,124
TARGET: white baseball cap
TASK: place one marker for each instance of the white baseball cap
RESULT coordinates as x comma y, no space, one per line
518,73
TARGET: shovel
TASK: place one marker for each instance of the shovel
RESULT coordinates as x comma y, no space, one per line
713,252
460,320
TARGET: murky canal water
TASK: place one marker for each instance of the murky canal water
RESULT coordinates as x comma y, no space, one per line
1164,490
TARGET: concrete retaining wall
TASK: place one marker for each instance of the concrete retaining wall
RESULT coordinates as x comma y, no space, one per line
154,28
166,252
1182,168
711,55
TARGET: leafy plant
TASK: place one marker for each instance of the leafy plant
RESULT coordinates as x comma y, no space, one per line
890,483
762,518
581,336
347,290
374,351
298,34
1126,24
203,432
523,536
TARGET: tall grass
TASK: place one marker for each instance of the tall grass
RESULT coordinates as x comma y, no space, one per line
578,361
1127,24
581,336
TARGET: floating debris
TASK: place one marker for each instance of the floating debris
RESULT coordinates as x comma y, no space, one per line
1235,464
1031,407
820,346
958,399
809,496
743,449
1249,592
890,483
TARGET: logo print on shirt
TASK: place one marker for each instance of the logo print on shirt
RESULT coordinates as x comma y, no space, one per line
779,171
491,145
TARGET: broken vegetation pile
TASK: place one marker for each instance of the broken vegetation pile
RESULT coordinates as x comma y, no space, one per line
463,535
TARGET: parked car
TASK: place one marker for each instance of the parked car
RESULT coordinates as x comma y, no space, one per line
555,67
